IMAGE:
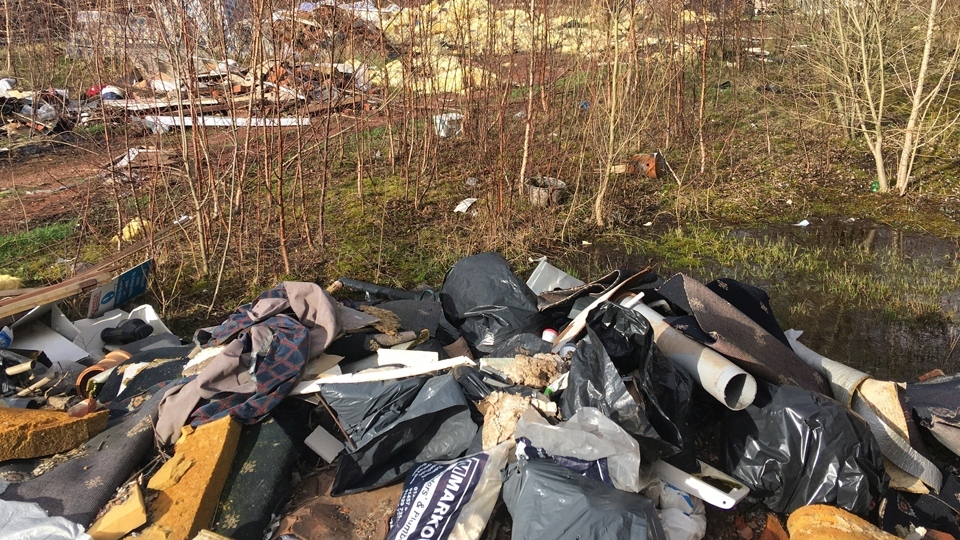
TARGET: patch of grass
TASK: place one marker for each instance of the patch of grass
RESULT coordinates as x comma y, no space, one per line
908,289
29,255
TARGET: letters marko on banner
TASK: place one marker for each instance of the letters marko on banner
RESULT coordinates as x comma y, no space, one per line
127,285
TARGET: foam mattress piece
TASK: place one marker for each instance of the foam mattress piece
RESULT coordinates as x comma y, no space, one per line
183,509
28,433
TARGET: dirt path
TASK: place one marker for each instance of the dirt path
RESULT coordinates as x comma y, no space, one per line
56,183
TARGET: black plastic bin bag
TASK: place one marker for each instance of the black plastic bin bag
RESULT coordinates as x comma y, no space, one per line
550,502
666,389
793,447
594,382
396,424
488,302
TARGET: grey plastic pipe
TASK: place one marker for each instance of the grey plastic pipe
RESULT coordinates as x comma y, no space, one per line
843,379
720,377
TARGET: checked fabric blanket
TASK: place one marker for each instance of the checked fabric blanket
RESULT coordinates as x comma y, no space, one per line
268,343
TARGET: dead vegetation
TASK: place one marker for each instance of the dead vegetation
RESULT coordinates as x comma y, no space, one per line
359,181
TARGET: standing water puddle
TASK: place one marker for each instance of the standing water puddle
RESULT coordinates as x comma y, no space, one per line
881,300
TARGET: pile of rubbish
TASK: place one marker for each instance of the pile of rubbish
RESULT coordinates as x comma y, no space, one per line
493,407
296,64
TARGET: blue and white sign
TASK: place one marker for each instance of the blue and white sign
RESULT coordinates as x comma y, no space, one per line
127,285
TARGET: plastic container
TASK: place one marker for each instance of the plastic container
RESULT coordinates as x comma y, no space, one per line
545,191
6,337
448,124
112,359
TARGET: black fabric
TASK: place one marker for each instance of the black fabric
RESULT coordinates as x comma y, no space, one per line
793,447
169,366
550,502
593,381
397,424
933,511
77,489
935,405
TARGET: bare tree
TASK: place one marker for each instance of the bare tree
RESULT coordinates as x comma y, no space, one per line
870,59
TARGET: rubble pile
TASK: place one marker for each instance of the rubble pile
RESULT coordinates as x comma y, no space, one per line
295,64
490,408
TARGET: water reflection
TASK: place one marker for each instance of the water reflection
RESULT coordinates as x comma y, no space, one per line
867,337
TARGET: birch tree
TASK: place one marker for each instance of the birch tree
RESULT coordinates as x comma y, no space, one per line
874,60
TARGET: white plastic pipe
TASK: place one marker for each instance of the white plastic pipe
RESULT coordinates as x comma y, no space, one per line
720,377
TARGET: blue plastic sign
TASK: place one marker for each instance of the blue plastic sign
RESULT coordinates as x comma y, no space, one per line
123,288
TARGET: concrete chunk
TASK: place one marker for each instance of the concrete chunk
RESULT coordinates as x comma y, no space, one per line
26,433
187,506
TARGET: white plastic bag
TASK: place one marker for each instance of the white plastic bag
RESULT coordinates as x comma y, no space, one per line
683,515
589,436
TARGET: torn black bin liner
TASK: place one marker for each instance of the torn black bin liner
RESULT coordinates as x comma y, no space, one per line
594,382
395,424
935,405
488,302
792,448
550,502
666,390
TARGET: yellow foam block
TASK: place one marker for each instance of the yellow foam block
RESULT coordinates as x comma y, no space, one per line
183,509
121,519
26,433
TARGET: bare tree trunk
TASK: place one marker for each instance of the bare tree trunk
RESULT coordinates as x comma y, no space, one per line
528,127
910,139
6,14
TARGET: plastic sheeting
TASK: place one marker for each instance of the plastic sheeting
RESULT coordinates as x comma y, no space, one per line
587,436
396,424
488,301
550,502
793,448
27,521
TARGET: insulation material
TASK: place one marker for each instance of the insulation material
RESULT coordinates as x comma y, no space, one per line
535,371
187,504
33,433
